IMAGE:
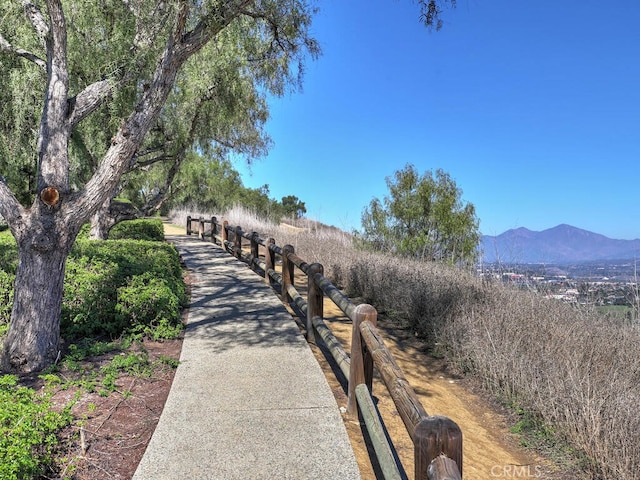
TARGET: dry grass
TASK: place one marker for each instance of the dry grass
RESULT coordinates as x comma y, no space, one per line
571,370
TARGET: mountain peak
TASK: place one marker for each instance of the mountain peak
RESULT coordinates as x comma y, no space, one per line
560,244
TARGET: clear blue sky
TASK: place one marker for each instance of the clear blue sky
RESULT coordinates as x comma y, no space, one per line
532,106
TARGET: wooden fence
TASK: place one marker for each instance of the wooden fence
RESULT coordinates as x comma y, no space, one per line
437,440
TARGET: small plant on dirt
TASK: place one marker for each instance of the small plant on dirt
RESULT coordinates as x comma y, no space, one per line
28,429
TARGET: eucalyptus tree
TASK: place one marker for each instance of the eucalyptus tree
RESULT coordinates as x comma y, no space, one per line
139,50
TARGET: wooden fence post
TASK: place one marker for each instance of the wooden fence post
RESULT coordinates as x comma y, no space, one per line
315,299
361,370
201,229
269,259
224,233
254,247
287,273
435,436
238,242
214,229
188,224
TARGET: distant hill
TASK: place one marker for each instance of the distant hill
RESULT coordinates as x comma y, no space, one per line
561,244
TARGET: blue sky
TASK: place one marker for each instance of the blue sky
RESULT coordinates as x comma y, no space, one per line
532,106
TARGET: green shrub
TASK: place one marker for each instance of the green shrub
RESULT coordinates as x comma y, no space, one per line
95,272
141,229
90,295
100,274
27,430
6,297
8,265
147,300
8,253
83,234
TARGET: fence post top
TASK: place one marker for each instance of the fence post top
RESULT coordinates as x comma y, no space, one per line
288,249
437,425
315,268
365,308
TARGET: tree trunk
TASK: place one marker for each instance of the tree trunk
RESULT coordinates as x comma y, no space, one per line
110,214
46,231
100,225
33,341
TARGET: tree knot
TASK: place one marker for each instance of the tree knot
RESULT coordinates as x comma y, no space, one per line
50,196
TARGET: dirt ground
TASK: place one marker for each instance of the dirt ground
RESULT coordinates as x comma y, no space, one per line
110,439
111,433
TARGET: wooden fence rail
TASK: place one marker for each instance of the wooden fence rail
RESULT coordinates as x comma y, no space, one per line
437,440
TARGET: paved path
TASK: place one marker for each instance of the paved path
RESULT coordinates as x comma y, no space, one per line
248,400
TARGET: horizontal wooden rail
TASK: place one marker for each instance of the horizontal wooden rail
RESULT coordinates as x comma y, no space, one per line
409,407
437,440
377,433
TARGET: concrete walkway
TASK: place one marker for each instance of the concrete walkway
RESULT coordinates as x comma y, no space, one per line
248,400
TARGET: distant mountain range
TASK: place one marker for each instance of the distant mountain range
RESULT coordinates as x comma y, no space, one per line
561,244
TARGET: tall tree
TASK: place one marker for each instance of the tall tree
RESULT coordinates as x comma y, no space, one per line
423,217
293,206
156,38
218,106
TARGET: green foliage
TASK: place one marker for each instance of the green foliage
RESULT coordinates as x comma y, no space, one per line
90,297
8,253
27,430
129,357
293,207
423,217
141,229
8,265
135,364
147,300
6,299
214,185
107,281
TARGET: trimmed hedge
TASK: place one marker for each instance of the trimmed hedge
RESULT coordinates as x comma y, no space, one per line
103,277
111,287
142,229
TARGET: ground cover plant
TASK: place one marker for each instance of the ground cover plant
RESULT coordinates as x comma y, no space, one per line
572,375
27,430
121,297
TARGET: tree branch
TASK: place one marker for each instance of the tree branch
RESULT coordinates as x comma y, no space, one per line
37,20
5,46
142,164
10,208
87,101
52,139
210,25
